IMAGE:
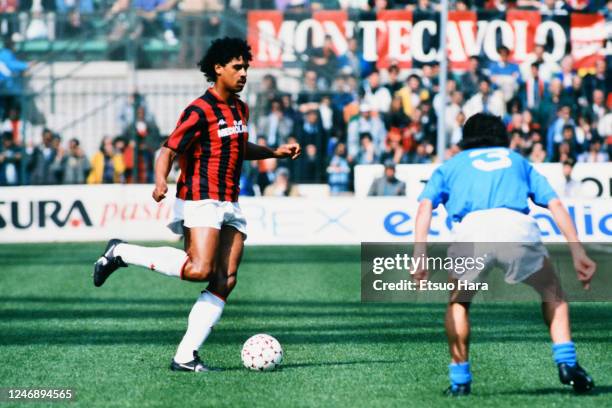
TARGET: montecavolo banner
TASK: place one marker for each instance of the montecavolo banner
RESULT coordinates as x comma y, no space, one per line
98,213
412,38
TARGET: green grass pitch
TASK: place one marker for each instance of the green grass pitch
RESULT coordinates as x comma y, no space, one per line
114,344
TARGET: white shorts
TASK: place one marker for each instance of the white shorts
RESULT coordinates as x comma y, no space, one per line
500,237
178,215
214,214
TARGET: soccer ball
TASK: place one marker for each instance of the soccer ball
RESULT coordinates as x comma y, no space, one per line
262,352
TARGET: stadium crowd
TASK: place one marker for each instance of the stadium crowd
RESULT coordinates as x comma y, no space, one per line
346,113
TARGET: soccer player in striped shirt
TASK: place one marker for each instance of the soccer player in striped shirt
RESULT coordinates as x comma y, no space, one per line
211,143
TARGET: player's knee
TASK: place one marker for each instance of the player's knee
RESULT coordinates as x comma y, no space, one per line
201,271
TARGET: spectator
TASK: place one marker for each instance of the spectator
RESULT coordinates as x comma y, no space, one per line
570,187
366,122
452,110
397,118
598,107
577,96
505,74
13,124
423,153
538,154
281,187
37,27
107,165
11,76
324,61
130,105
10,161
457,133
393,151
375,95
200,21
547,68
275,127
594,154
267,93
388,185
144,128
310,169
367,153
42,159
553,7
567,73
75,165
311,132
550,104
555,131
599,80
153,16
532,90
470,79
485,100
327,116
339,171
393,83
411,94
310,95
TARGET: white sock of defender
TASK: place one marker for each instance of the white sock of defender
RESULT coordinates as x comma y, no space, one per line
205,313
166,260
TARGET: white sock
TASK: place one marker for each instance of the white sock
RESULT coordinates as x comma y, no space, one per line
166,260
205,313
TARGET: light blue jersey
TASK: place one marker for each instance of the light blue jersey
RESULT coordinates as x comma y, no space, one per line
486,178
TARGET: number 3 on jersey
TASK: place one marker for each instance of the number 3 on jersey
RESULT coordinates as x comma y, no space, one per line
491,159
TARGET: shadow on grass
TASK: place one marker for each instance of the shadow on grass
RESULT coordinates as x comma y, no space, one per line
292,366
25,321
598,390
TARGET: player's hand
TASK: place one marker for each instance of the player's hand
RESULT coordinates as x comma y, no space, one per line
159,192
585,268
421,274
292,150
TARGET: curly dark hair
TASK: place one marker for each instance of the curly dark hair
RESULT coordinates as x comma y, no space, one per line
484,130
222,51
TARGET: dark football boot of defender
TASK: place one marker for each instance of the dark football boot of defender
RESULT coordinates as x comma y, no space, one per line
195,365
577,377
459,390
107,263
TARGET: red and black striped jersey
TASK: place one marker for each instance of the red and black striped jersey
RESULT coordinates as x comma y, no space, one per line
210,139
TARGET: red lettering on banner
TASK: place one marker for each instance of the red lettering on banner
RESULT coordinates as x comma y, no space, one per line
587,36
109,212
393,38
524,24
265,37
461,37
334,24
131,212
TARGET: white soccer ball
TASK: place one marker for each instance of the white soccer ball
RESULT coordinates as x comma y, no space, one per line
262,352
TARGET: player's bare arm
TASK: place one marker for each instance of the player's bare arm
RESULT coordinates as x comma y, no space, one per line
585,267
163,164
421,229
257,152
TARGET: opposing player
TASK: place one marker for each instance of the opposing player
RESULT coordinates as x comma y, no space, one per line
485,189
211,142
